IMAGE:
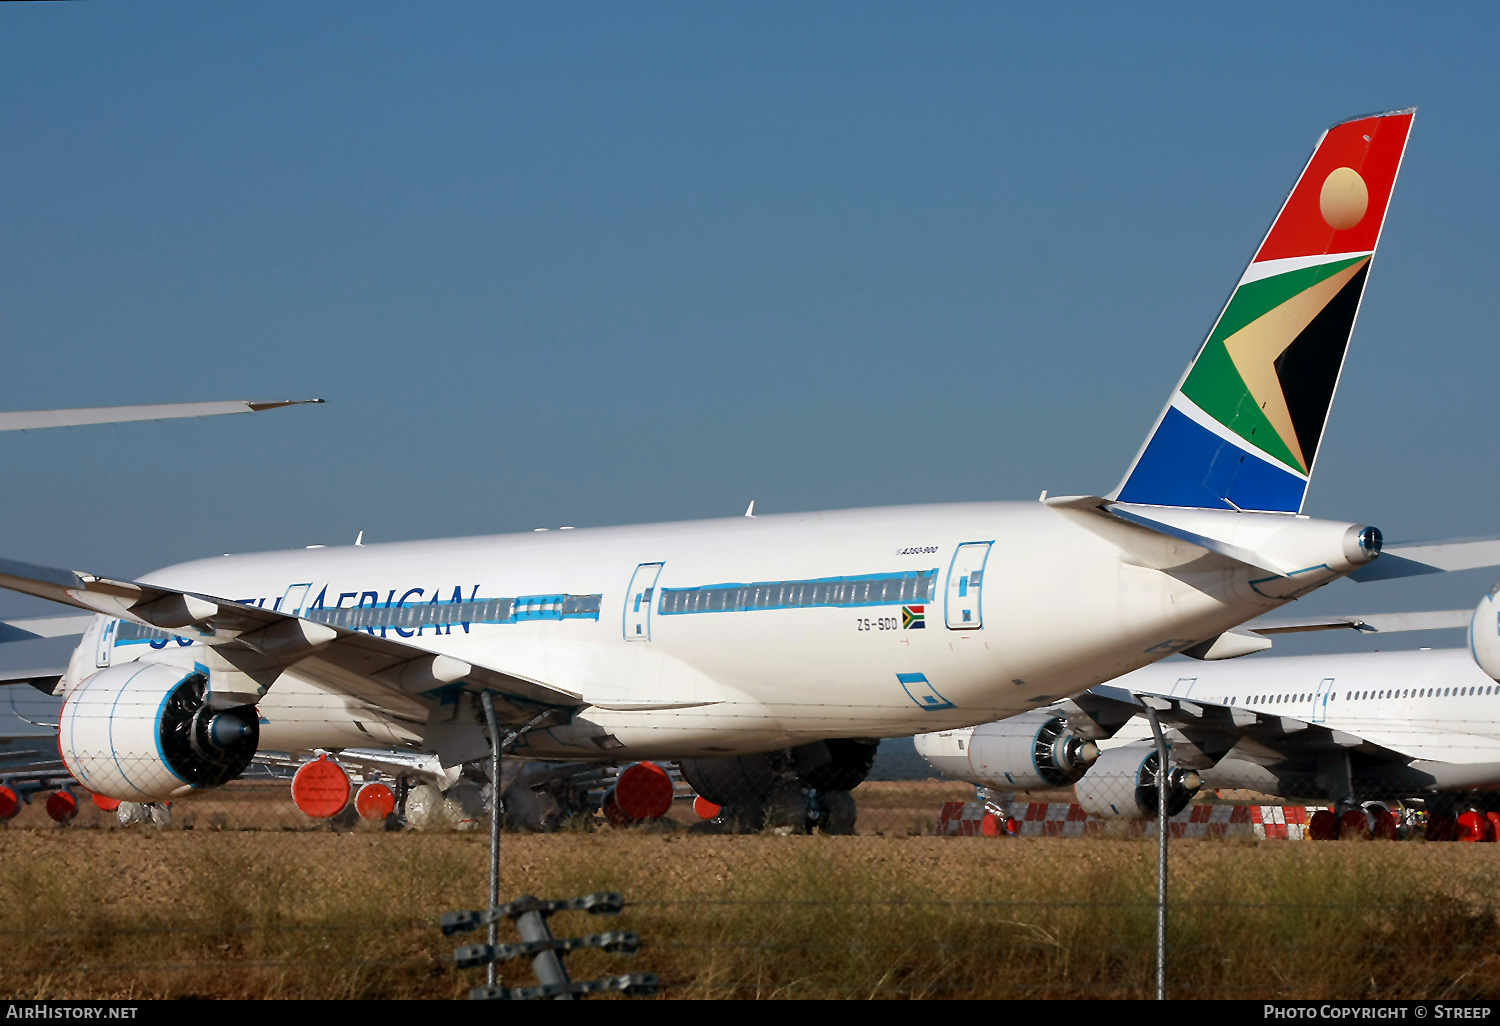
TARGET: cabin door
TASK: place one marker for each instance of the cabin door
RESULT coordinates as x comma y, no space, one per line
638,598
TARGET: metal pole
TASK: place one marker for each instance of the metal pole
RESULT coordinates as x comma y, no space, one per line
495,814
1162,831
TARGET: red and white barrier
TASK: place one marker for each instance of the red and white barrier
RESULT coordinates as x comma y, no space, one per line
1063,819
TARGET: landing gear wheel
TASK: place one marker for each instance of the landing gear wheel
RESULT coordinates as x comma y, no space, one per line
839,812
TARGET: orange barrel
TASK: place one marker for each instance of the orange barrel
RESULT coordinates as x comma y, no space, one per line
62,806
1383,824
989,825
10,803
1440,827
1323,826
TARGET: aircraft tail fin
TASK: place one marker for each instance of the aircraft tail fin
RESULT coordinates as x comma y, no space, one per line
1242,429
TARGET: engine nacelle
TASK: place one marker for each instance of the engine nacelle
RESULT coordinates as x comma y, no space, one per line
734,779
1025,752
144,732
1122,784
1484,633
835,764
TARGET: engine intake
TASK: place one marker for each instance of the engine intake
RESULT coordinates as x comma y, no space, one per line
1122,784
1025,752
144,732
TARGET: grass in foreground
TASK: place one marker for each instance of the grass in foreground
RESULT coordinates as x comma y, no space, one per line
259,914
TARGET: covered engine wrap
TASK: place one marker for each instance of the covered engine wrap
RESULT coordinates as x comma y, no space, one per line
1025,752
1122,784
144,732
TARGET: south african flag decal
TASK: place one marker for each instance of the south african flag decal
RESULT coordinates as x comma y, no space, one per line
913,618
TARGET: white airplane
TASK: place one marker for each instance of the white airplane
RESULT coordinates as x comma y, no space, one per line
714,642
1347,729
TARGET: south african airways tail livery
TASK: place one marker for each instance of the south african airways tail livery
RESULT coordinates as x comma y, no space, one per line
714,639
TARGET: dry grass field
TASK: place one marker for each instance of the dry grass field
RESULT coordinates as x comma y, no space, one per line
291,913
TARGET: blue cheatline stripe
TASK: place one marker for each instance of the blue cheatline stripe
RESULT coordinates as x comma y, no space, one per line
1185,464
523,609
845,592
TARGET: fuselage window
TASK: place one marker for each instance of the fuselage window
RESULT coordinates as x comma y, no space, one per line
879,589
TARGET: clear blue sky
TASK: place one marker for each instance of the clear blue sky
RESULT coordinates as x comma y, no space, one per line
597,264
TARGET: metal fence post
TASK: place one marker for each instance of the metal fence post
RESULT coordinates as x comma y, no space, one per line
1163,781
495,813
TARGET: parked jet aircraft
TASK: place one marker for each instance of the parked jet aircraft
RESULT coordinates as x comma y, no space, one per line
1345,729
712,642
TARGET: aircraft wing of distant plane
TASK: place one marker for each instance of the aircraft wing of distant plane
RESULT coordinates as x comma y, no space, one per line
1413,559
28,420
1211,730
247,648
1374,623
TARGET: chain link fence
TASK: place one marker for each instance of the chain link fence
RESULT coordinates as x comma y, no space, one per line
835,869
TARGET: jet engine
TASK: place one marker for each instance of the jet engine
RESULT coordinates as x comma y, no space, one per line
144,732
838,764
1122,784
770,789
1025,752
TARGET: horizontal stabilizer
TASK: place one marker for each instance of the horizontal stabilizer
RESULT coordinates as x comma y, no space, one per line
1163,537
29,420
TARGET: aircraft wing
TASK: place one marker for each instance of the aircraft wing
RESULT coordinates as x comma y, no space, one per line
1206,732
44,681
35,627
28,420
247,648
